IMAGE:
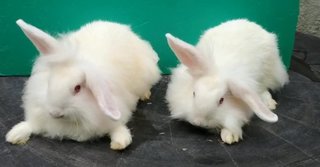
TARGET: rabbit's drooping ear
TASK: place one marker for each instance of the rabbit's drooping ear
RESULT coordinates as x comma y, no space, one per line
253,101
102,93
187,54
41,40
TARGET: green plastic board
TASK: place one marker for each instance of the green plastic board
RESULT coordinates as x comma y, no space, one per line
151,19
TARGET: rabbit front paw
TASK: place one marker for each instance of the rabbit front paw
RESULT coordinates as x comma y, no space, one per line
229,137
19,134
120,138
269,101
272,104
146,96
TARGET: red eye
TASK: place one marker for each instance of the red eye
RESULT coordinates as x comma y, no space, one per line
221,100
77,89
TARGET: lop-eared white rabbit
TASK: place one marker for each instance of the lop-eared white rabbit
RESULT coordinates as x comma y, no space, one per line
85,84
225,78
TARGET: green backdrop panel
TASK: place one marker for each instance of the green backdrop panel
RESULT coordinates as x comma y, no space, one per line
151,19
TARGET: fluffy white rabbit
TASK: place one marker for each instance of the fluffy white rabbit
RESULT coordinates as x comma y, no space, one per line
85,84
225,78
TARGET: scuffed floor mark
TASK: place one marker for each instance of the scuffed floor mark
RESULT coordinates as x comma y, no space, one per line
170,130
120,160
8,152
38,154
229,154
300,122
290,143
299,163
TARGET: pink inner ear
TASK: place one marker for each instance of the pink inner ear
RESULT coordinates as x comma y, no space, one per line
187,54
261,110
41,40
105,99
41,46
107,104
102,92
253,101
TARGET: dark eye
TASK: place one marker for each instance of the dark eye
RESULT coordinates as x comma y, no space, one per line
194,94
77,89
221,100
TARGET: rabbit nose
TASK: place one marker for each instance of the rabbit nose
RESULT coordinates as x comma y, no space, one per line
56,114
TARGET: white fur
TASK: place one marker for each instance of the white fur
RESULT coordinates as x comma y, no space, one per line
236,52
103,50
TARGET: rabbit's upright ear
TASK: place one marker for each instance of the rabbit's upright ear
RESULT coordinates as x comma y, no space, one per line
253,100
100,88
41,40
187,54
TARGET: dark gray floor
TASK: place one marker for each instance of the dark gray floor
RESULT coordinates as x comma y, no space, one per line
159,141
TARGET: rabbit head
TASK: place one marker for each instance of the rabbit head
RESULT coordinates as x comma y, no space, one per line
210,88
73,85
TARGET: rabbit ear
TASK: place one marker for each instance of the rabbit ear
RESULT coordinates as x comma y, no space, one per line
101,91
41,40
187,54
253,101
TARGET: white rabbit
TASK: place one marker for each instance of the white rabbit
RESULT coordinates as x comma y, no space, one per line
85,84
225,78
